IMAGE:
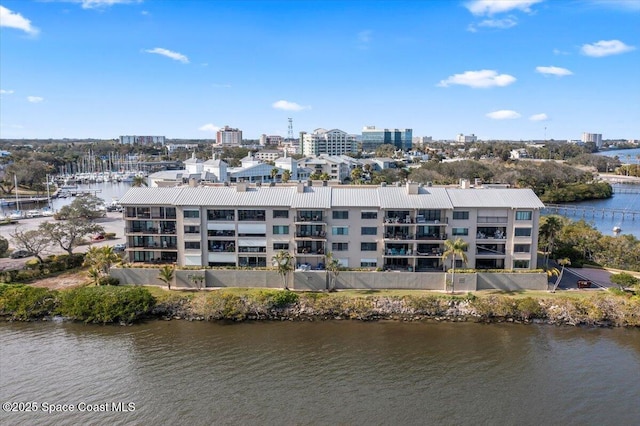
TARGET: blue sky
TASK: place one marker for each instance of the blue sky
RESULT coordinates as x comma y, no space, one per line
501,69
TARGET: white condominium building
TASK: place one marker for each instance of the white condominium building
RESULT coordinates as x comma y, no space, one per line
332,142
387,227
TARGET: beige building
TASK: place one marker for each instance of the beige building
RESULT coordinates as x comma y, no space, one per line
388,227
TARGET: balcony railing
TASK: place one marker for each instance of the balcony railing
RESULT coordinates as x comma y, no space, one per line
313,235
169,231
431,236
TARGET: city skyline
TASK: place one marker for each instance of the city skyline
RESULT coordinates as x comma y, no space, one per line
518,70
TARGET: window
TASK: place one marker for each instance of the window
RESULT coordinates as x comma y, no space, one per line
281,246
191,229
340,230
369,230
340,214
369,215
366,264
170,212
522,248
221,215
192,245
191,214
340,246
520,264
369,246
461,215
524,215
280,229
251,215
522,232
281,214
460,231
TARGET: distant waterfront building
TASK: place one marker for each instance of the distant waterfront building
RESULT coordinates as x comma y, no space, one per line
141,140
592,137
466,138
372,138
229,136
331,142
268,154
271,140
422,140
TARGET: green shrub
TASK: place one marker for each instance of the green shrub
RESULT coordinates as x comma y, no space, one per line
108,281
282,298
106,304
428,305
25,302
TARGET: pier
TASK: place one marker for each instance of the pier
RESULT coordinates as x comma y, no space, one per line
590,212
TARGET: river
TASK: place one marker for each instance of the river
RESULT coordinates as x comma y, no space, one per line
628,199
321,373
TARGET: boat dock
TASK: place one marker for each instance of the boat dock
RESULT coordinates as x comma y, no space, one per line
590,212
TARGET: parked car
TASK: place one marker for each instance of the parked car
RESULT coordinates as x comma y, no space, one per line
19,254
584,284
98,237
119,247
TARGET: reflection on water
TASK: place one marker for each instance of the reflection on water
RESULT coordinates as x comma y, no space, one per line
326,373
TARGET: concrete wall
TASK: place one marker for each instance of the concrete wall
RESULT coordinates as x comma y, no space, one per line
512,282
316,280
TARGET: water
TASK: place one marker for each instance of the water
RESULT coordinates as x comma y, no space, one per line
620,201
108,191
330,373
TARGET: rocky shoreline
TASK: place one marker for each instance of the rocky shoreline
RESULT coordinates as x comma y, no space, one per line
596,312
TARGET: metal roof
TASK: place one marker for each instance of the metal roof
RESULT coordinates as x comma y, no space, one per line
326,197
495,197
150,196
230,196
355,197
392,197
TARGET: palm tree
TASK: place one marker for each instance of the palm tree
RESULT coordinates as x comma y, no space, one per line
139,181
564,262
333,268
165,274
101,258
282,262
274,172
550,226
454,249
286,175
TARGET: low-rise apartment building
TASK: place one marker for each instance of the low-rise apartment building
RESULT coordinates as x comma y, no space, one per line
386,227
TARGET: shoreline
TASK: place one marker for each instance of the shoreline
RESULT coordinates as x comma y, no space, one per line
139,304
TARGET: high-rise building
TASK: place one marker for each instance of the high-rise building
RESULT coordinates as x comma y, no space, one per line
467,138
141,140
229,136
592,137
332,142
372,138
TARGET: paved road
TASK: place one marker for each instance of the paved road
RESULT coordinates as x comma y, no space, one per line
113,223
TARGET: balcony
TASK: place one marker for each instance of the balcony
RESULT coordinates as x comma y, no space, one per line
435,237
491,233
490,250
216,234
314,216
399,236
493,219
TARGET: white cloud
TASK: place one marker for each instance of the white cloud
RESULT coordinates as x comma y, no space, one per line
504,23
605,48
11,19
539,117
503,114
169,54
221,85
35,99
479,79
560,52
6,92
209,128
288,106
560,72
491,7
97,4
